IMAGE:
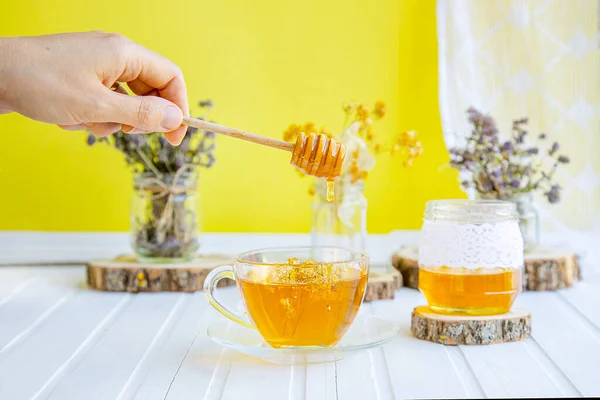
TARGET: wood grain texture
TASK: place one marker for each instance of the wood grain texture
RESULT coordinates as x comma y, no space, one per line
406,261
382,284
469,330
156,346
546,268
125,274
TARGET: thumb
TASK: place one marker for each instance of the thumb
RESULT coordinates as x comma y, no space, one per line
148,113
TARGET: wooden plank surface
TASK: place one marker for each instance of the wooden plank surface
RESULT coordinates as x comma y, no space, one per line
61,341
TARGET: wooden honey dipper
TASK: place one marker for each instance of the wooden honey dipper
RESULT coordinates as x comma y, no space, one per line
314,154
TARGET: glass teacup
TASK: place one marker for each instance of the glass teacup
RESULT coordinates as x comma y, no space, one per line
303,296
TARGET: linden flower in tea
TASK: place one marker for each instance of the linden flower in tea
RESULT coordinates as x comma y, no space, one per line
304,303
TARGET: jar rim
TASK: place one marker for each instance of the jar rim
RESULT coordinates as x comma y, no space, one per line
477,211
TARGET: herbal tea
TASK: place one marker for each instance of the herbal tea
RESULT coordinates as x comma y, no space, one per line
483,291
304,303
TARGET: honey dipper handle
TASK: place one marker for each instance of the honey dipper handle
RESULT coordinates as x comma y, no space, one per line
238,134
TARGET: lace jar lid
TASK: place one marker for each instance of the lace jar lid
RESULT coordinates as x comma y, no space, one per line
471,234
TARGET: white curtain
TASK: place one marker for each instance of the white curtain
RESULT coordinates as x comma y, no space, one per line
538,59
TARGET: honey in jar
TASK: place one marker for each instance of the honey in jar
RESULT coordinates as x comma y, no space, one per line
484,291
470,256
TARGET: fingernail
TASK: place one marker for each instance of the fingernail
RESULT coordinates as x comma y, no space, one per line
127,128
171,118
87,124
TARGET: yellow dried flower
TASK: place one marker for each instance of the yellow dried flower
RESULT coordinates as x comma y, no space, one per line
408,144
350,107
291,133
362,113
379,109
309,128
370,136
325,132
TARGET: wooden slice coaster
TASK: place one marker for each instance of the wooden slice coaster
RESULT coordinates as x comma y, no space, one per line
382,284
469,330
546,268
549,268
125,274
406,260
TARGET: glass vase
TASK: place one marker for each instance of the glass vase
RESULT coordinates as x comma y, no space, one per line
343,221
528,220
164,217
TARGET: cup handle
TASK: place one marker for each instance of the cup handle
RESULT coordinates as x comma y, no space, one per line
210,284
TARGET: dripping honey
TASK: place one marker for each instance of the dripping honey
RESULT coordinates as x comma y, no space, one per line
484,291
330,191
304,303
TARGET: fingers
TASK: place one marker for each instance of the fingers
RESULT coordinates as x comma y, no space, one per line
102,129
146,113
154,75
77,127
140,88
99,129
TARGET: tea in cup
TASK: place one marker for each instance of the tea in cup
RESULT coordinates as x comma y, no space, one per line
304,296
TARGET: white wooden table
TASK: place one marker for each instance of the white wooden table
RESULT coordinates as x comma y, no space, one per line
62,341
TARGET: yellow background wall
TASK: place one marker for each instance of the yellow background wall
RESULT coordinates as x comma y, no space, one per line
265,64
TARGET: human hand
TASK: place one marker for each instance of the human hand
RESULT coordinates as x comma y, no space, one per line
65,79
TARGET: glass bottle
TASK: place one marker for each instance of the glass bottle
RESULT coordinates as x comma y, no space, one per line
164,218
470,256
343,221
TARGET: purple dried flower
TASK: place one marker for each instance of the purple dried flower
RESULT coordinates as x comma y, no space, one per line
179,160
206,103
507,146
163,141
91,139
211,161
553,194
163,155
503,169
138,140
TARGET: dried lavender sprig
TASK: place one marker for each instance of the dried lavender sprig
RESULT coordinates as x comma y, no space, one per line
504,169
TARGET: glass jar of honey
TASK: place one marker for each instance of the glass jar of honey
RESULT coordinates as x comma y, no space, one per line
470,256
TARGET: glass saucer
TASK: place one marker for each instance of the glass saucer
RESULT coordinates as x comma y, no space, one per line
366,332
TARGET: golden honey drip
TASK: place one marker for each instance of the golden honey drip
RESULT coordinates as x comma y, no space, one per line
304,303
330,191
462,291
